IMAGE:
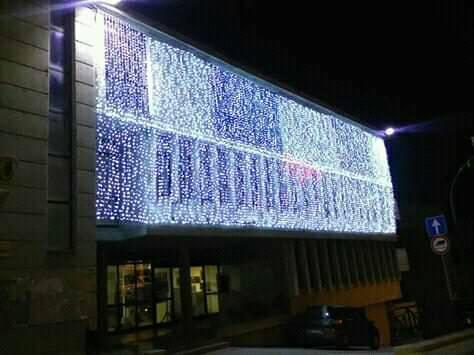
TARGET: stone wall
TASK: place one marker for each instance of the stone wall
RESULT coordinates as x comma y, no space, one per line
39,288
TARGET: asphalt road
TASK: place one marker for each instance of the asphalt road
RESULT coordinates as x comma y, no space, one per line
283,351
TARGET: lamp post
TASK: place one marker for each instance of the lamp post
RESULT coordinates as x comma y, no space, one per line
452,207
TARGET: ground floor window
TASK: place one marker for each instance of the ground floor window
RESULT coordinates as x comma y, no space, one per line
205,293
143,294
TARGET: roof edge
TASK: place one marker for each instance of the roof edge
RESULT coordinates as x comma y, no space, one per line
180,41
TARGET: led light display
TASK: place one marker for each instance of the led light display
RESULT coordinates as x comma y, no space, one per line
181,140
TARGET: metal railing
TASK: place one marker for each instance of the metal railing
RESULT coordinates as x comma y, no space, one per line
404,322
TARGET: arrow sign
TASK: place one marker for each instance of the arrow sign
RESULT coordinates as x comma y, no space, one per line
436,226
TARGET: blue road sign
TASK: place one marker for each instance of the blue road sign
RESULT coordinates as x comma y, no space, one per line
436,226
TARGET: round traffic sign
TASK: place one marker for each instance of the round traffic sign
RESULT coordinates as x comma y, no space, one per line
440,245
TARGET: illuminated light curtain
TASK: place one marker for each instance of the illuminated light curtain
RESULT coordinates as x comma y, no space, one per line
181,140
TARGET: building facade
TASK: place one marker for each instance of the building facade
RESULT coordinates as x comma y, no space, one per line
47,199
161,192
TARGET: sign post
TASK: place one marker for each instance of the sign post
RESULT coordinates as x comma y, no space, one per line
437,230
440,245
436,226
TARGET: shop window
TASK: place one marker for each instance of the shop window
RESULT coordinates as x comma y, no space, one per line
212,289
197,289
212,303
139,295
144,315
143,283
112,285
176,294
127,317
163,295
112,319
127,283
205,293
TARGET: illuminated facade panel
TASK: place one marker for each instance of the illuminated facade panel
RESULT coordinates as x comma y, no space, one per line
181,140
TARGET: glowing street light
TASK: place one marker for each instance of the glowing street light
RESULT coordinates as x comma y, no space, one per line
389,131
111,2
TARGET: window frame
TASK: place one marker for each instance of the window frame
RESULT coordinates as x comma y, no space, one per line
66,27
154,300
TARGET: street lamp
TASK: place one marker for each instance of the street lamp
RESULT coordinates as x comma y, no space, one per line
389,131
111,2
467,164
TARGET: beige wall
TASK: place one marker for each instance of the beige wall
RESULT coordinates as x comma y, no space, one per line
40,287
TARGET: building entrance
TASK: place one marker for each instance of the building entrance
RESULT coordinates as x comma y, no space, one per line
142,294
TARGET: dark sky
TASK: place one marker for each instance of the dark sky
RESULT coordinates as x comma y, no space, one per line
385,62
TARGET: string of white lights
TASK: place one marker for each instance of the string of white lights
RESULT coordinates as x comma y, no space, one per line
181,140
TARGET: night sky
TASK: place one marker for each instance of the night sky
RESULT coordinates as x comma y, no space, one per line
386,63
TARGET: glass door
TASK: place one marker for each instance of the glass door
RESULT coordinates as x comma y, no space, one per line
144,296
127,297
163,292
198,291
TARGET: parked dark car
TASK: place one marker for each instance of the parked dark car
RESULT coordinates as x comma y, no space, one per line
325,325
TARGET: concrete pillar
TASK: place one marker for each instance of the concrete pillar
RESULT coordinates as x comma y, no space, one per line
102,292
379,315
374,253
344,261
335,263
362,263
293,270
385,261
369,262
303,266
355,270
327,275
185,286
314,265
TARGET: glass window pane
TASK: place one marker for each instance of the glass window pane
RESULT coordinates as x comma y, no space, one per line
145,315
59,226
176,294
57,52
59,134
127,283
162,283
196,279
163,312
57,19
199,307
59,13
197,288
211,278
212,304
127,317
57,98
144,283
112,319
112,297
59,179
